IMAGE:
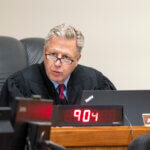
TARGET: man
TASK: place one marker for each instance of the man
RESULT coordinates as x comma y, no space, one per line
61,54
59,77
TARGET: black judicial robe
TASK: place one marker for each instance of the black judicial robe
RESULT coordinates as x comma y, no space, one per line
33,80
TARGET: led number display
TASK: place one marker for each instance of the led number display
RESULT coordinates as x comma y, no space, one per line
75,115
85,115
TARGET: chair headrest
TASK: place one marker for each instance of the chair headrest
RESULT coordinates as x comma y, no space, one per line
34,48
13,57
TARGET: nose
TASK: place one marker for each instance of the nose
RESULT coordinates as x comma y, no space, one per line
58,62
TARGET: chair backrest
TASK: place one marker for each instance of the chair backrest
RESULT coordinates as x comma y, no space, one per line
16,55
13,57
34,48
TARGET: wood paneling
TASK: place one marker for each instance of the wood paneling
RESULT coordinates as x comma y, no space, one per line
96,138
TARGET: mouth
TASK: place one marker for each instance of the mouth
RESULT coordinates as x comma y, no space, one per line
56,72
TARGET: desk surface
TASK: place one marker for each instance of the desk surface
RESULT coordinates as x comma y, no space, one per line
114,137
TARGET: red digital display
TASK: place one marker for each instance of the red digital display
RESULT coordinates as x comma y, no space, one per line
85,115
34,110
88,115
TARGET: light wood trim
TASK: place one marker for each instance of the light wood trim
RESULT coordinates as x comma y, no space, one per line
96,136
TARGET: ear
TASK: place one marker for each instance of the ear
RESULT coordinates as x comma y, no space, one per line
78,58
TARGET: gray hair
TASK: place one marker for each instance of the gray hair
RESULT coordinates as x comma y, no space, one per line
68,32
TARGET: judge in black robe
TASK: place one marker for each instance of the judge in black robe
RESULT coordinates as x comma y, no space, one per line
61,54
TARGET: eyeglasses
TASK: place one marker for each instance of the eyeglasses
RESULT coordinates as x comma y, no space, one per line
63,60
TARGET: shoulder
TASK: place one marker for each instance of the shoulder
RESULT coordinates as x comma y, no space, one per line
24,83
87,71
31,74
91,77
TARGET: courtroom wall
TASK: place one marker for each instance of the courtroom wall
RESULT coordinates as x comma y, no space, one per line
117,32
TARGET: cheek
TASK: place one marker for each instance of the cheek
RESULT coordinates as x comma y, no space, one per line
69,70
47,66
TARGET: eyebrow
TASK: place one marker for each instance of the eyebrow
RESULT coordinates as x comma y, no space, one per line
64,54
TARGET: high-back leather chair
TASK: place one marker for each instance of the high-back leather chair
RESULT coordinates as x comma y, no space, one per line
16,55
34,49
13,57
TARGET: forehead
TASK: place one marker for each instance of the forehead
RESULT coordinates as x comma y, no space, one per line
60,44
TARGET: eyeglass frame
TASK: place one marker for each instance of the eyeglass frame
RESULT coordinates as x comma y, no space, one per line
60,59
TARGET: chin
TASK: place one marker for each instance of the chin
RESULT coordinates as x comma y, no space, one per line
57,80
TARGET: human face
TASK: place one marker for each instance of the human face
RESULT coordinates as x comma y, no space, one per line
60,47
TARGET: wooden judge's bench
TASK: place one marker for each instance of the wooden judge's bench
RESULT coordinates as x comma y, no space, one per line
96,138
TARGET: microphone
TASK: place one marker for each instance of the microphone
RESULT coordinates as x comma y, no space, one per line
45,144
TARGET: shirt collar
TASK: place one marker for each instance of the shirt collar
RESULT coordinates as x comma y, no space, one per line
56,84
